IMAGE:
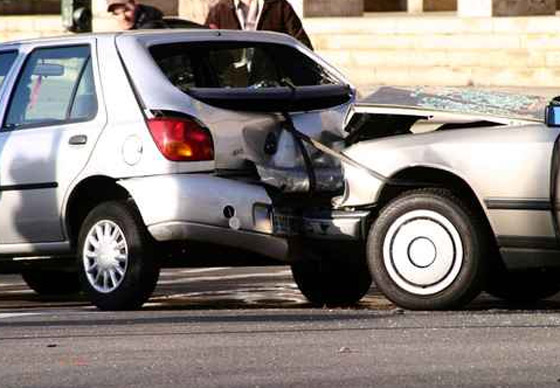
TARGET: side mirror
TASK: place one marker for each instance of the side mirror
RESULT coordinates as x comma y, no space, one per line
552,113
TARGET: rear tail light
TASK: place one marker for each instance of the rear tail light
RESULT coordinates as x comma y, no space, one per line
181,139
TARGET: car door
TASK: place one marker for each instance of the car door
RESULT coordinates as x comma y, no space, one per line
48,131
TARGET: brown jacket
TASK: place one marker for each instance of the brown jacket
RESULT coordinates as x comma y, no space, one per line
276,15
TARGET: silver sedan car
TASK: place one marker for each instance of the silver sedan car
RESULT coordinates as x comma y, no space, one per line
462,186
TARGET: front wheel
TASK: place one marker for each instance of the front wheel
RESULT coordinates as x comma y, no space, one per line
116,260
425,251
332,282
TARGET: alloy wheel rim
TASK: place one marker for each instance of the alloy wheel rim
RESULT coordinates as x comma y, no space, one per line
423,252
105,256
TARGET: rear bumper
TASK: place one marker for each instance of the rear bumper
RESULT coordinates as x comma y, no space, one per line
206,208
227,212
269,245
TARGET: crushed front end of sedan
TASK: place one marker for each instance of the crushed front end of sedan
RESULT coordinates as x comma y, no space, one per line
461,186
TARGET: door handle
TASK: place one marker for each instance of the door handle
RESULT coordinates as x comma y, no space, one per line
78,140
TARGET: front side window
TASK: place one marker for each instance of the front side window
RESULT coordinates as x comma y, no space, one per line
238,65
56,85
6,61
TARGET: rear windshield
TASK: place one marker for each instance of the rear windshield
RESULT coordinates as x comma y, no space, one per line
6,61
238,65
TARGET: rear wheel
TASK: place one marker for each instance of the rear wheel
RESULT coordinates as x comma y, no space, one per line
332,282
425,251
117,265
51,281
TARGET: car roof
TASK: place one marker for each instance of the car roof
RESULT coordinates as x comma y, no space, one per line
160,34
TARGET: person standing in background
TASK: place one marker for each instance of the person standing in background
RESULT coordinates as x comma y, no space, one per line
131,15
257,15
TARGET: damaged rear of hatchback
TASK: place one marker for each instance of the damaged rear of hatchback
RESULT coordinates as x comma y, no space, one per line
264,99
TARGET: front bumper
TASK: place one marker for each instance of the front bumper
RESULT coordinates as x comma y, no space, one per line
324,224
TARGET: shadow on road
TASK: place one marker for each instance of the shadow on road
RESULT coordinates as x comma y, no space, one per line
230,289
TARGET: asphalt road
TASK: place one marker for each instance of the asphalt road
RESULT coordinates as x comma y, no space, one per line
250,327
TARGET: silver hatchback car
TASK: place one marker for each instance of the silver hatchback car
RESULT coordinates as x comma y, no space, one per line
126,150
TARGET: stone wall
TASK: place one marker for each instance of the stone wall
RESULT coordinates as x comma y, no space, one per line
385,5
29,7
488,8
315,8
195,10
428,49
27,27
441,49
401,5
170,8
523,7
440,5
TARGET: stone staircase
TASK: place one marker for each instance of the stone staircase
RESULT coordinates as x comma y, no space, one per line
400,49
29,27
441,49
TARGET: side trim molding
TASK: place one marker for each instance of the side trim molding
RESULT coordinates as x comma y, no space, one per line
30,186
524,242
518,204
519,259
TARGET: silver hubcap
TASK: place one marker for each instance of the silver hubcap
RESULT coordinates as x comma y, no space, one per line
105,256
423,252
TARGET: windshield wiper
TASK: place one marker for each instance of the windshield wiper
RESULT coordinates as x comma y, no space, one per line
285,81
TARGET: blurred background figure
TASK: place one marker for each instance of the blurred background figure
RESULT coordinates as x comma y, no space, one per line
253,15
131,15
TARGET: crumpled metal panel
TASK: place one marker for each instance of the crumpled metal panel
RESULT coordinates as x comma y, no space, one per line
280,162
461,100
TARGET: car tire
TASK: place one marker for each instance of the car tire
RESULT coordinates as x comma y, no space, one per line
524,286
425,251
331,282
50,282
118,269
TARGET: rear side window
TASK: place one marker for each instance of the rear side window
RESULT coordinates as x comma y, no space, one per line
6,61
56,85
238,65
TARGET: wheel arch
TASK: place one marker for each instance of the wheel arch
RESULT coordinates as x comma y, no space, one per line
424,177
85,196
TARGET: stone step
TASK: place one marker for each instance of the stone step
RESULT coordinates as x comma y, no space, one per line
515,58
454,76
419,41
484,73
432,49
436,22
441,49
29,27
